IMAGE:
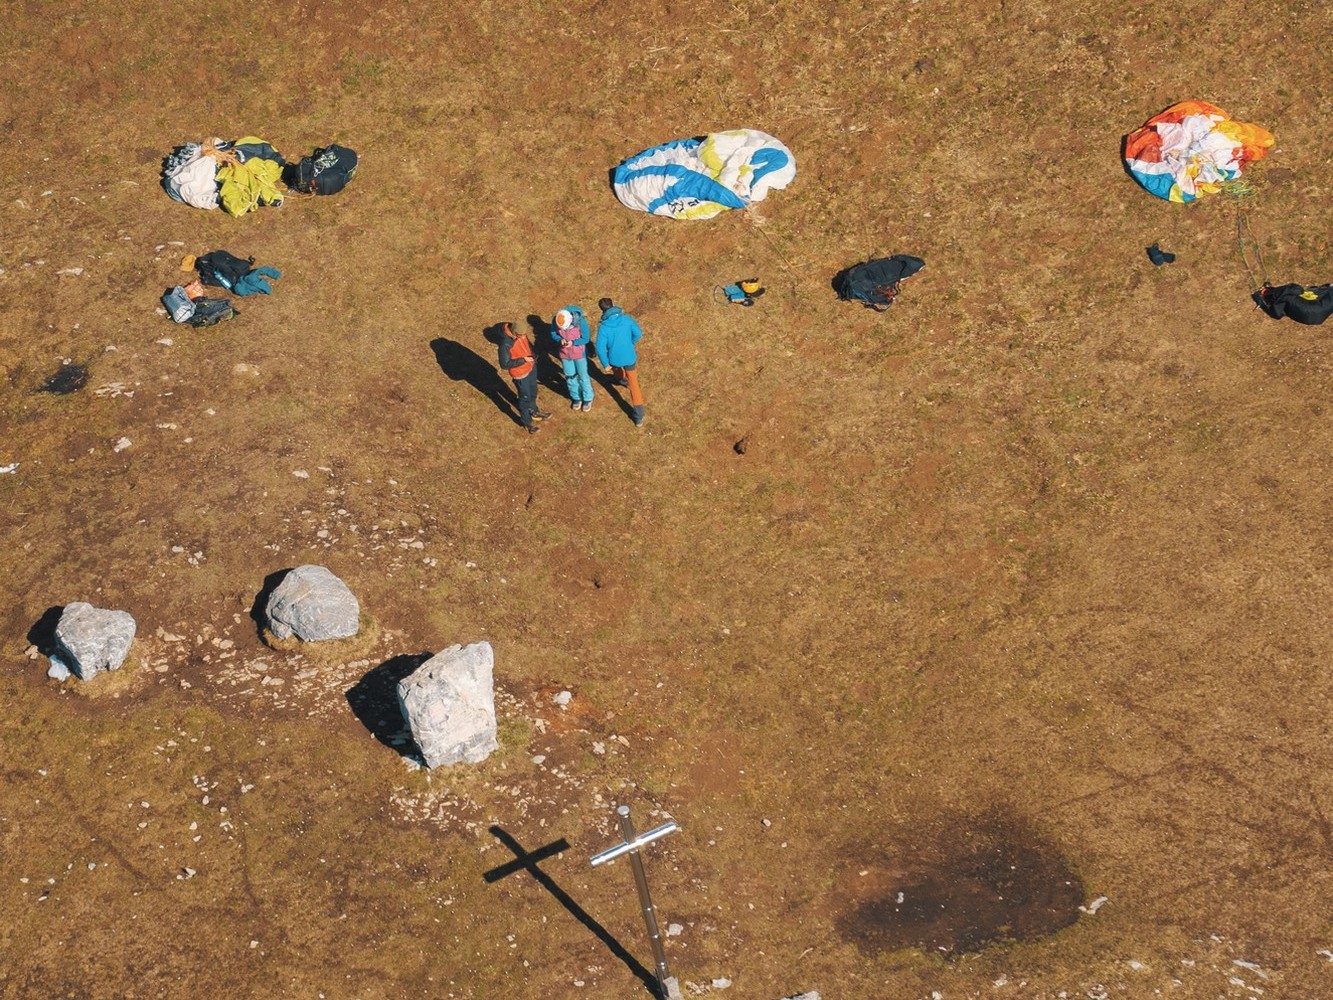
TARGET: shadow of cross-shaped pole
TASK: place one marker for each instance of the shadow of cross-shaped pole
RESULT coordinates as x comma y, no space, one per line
528,861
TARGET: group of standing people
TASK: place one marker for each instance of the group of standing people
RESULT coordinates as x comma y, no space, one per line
617,335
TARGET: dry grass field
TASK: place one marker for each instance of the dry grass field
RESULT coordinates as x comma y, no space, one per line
1012,598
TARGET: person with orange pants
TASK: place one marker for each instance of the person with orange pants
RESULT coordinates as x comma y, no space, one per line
617,333
517,359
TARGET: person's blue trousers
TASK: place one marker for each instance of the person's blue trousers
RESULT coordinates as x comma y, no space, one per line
576,377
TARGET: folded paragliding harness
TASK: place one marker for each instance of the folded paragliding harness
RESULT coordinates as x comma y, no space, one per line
743,293
1308,306
874,283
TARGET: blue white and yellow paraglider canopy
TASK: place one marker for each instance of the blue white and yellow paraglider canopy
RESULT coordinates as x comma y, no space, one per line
700,178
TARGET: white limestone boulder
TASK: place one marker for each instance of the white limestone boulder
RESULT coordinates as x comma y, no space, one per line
89,640
311,604
449,705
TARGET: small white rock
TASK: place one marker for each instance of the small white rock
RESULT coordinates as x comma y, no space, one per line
300,474
675,930
122,444
721,984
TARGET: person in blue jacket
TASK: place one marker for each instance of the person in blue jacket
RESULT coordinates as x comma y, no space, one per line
571,334
617,333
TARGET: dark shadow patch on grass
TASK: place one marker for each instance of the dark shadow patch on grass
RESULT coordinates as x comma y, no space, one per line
525,861
462,364
68,378
258,609
43,632
374,701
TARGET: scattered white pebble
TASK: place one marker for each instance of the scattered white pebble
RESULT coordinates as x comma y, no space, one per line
6,469
1094,906
539,759
562,699
721,984
165,341
675,930
598,747
122,444
300,474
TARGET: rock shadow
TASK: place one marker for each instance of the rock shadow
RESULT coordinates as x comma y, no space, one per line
43,632
374,701
258,609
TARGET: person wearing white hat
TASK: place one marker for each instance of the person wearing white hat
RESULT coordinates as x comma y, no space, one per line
571,334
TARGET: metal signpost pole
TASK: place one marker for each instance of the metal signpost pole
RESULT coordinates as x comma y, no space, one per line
631,847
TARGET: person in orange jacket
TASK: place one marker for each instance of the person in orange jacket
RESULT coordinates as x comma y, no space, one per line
517,359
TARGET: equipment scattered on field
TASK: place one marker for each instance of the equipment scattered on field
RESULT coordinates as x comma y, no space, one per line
237,275
875,283
703,177
742,293
1192,149
240,175
243,174
325,171
1159,256
1307,306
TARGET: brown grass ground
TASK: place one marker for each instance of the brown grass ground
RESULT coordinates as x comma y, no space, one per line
1039,556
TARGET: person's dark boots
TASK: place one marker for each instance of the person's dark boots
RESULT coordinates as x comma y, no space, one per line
542,415
533,428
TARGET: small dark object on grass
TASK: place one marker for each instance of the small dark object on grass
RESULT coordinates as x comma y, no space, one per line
1159,256
68,378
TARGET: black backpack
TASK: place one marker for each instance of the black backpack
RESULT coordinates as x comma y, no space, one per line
326,171
875,283
1310,306
222,269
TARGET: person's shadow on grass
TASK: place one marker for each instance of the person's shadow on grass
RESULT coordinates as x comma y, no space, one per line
603,377
462,364
550,373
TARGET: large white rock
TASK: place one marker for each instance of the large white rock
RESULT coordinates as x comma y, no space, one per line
449,704
90,640
312,604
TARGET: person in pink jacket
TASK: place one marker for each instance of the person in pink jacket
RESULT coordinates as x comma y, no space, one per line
571,334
